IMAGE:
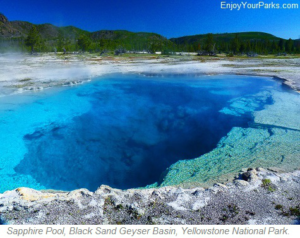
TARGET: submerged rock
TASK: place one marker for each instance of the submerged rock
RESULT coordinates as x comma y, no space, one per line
272,141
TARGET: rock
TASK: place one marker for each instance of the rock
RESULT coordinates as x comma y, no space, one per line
103,189
140,206
275,169
3,18
250,176
220,185
260,169
241,183
137,196
80,193
115,200
252,169
213,190
29,194
199,204
283,179
17,208
156,194
198,192
179,191
296,179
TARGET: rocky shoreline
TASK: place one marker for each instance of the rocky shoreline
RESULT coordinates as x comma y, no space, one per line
256,196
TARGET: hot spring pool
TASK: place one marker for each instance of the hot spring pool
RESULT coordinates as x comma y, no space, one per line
126,130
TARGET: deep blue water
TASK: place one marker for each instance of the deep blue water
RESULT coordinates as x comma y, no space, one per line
121,130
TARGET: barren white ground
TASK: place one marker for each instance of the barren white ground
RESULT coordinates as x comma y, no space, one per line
26,72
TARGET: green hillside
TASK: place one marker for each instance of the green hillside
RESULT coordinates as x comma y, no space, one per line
251,43
14,36
132,40
225,37
16,29
126,36
14,33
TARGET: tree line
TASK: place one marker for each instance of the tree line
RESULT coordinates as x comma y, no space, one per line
207,46
36,43
238,46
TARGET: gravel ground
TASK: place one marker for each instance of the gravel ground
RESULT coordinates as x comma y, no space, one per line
256,196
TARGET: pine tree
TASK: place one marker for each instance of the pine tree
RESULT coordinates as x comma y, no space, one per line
33,39
274,47
102,44
297,46
199,47
289,46
235,44
281,45
243,47
84,42
209,43
60,42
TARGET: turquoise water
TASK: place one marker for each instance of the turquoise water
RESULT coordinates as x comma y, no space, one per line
122,130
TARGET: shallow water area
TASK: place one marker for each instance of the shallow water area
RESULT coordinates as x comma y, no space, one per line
126,130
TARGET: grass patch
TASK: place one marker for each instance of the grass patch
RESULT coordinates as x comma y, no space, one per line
266,184
271,189
293,211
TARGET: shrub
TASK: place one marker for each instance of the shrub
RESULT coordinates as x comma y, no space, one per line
266,182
